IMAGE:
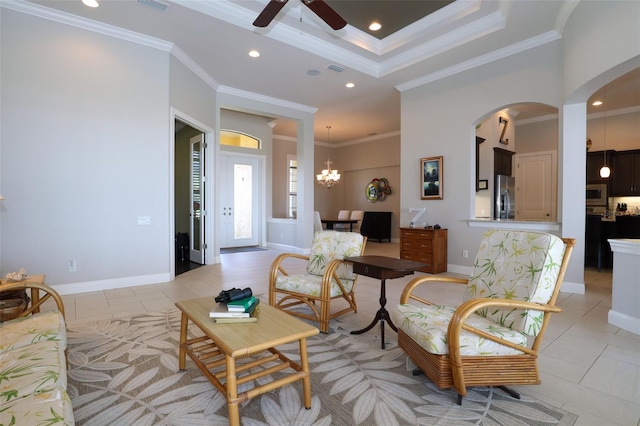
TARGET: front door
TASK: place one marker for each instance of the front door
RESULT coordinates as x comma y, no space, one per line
196,217
239,207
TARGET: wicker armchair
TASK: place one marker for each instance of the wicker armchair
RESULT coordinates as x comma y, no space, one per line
325,278
493,338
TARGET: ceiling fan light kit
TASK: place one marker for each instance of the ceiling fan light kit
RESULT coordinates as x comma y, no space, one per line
319,7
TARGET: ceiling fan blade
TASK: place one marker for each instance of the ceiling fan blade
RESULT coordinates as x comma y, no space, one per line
269,12
324,11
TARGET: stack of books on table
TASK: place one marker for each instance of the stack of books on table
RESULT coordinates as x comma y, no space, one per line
243,310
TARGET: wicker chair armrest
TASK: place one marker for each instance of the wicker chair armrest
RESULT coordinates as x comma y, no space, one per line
329,273
276,266
457,323
35,285
418,281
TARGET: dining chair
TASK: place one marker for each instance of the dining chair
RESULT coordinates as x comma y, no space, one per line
343,215
317,222
357,215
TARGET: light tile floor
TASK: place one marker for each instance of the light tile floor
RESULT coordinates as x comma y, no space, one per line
588,366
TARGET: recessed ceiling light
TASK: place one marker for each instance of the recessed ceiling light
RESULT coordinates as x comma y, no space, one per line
90,3
350,85
597,103
375,26
254,53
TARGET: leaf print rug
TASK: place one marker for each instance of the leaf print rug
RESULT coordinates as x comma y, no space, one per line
125,372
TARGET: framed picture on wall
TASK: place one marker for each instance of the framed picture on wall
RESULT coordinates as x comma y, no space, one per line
431,178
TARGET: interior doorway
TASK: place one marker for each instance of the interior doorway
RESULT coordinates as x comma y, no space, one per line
189,197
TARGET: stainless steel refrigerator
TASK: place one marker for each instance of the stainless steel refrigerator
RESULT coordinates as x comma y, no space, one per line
504,197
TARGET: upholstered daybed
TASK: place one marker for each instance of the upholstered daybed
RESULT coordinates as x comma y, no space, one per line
33,371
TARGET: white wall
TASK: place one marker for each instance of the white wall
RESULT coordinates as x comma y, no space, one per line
447,111
600,37
361,161
85,151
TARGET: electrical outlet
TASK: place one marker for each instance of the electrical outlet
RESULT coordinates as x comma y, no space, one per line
72,265
465,253
144,220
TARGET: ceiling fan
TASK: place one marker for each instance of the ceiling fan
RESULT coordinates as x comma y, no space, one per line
319,7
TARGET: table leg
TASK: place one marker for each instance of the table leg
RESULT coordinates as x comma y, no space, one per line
382,315
232,392
182,356
306,380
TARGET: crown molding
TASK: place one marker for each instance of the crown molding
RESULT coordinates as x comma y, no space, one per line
479,28
85,24
513,49
291,34
592,116
343,144
565,12
194,67
266,99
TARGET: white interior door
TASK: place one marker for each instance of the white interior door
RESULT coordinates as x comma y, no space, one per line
239,206
196,217
535,186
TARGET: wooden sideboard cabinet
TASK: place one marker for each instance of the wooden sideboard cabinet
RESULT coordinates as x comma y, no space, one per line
425,245
376,226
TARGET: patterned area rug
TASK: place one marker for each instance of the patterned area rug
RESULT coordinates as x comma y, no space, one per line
125,372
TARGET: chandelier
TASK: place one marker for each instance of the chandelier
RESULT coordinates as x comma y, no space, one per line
328,177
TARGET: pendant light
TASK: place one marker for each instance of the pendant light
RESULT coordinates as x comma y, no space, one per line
328,177
605,171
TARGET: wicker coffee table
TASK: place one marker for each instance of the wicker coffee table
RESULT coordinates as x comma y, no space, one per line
217,352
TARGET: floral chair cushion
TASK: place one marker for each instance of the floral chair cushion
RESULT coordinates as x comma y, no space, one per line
45,408
32,369
330,245
516,265
310,284
427,325
32,329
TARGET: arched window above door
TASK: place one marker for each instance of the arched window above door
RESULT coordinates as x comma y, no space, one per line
239,139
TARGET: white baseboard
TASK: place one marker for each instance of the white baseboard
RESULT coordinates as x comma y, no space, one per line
459,269
288,249
571,287
624,321
88,286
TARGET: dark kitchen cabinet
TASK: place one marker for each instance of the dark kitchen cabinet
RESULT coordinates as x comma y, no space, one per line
625,174
595,161
502,161
376,226
597,251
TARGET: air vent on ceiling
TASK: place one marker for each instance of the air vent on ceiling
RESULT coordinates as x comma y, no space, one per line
335,68
162,7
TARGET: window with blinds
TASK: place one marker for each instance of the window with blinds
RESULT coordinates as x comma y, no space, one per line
292,182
